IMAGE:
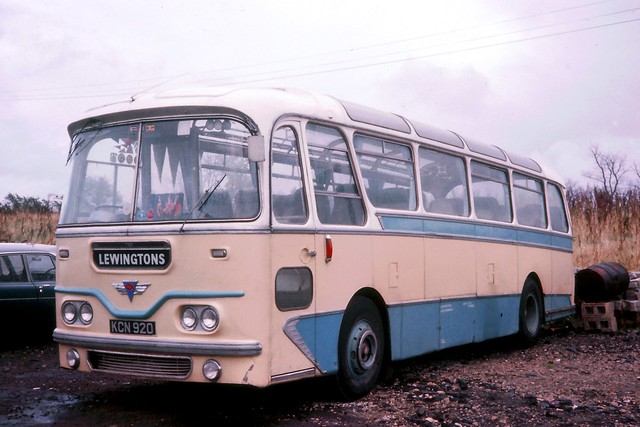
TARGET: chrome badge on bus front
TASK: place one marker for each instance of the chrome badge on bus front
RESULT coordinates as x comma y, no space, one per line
131,288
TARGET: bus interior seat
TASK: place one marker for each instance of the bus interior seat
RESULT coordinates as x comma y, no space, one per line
391,198
347,211
531,215
487,208
290,208
446,206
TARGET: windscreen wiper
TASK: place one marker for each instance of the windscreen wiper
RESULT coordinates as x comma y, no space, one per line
81,142
203,200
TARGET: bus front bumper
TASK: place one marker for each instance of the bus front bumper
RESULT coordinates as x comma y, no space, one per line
190,348
169,360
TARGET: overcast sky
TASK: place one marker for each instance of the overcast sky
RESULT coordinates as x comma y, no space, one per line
548,79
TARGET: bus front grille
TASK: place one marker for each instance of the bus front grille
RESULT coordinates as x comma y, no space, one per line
144,365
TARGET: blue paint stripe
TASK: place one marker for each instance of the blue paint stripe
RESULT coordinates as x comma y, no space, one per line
553,303
453,228
145,314
419,328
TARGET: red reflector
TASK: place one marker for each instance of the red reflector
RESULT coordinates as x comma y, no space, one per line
328,248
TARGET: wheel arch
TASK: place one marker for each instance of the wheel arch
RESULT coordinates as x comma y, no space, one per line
533,276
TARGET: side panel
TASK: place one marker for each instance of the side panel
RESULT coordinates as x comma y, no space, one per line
457,320
289,250
349,270
497,316
398,270
497,269
562,275
450,269
415,329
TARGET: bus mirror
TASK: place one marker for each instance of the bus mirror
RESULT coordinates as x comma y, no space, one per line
256,148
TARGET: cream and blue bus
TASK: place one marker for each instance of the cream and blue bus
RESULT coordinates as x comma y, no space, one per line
256,236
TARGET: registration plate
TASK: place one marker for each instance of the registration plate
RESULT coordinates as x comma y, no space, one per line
132,327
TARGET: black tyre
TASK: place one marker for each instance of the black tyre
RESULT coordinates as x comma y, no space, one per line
360,348
531,313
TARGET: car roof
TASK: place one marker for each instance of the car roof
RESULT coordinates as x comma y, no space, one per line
27,247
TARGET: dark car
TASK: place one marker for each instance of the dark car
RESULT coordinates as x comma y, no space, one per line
27,299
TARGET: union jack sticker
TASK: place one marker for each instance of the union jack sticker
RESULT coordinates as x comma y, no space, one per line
131,288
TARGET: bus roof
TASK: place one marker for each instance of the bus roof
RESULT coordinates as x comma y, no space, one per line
250,102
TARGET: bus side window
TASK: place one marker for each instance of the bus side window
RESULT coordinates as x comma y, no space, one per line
528,196
387,170
287,191
337,197
491,195
557,213
444,183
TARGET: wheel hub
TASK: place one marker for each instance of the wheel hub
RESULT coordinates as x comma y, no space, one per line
363,347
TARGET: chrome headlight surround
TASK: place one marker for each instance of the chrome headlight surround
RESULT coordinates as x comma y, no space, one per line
69,313
212,370
86,313
189,318
202,318
73,358
209,319
77,313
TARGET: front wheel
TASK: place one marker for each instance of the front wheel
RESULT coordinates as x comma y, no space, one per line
531,313
360,348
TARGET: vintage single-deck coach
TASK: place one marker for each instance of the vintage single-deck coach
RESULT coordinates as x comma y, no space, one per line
255,236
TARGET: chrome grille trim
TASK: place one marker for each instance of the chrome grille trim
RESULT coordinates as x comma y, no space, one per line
144,365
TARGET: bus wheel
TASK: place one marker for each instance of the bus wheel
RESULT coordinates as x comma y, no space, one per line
531,315
360,348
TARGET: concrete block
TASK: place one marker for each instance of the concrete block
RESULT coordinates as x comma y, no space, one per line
603,324
598,309
631,306
632,294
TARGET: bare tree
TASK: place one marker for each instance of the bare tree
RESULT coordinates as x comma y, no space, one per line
610,170
636,168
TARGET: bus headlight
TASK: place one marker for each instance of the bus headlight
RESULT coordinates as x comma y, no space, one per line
209,319
69,313
211,370
73,359
86,313
189,318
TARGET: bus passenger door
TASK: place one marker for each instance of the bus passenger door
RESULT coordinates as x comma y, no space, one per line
293,258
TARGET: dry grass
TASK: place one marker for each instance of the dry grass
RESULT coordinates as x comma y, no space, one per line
28,227
605,227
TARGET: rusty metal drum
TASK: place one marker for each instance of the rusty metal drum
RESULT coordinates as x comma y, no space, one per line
601,282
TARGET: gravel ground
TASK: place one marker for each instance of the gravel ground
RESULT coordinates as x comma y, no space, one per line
571,377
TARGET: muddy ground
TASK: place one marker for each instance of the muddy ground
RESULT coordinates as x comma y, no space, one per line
571,377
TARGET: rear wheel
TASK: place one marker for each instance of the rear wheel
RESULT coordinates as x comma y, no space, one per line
531,313
360,348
